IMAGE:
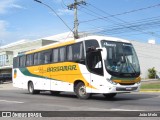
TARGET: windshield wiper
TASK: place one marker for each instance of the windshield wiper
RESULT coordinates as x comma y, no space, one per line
129,64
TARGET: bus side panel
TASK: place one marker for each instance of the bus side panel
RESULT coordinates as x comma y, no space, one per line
19,80
87,77
63,80
97,83
38,76
100,82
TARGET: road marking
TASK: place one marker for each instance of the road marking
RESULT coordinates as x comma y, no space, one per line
114,109
10,101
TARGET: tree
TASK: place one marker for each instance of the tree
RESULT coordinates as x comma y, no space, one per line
152,72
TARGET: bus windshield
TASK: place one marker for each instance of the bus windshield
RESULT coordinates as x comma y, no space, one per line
121,60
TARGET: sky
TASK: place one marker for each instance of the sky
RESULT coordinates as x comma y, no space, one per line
128,19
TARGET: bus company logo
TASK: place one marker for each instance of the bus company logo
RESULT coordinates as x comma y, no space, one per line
41,70
62,68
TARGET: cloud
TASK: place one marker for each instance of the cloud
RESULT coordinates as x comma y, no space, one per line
17,6
64,12
7,4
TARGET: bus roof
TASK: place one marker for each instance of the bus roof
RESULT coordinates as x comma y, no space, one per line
71,41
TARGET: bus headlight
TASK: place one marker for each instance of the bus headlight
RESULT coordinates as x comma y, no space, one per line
139,82
112,82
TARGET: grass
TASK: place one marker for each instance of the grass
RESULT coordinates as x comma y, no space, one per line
151,85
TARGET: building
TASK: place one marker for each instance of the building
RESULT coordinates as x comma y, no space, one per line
7,52
148,53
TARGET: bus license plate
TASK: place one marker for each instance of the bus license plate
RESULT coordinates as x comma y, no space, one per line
128,88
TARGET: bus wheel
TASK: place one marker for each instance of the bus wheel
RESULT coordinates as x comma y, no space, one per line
31,89
80,91
110,95
55,92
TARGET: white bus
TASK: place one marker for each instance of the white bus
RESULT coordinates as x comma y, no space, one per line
93,64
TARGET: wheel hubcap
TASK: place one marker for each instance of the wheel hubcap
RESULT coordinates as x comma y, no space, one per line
82,91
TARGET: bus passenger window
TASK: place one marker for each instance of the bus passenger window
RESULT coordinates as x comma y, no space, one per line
22,61
16,62
35,59
47,57
40,58
78,51
69,53
29,60
62,54
75,52
55,55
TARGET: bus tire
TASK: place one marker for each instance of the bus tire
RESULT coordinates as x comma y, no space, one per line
80,91
110,95
55,92
31,89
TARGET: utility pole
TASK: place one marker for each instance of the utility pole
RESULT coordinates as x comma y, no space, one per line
75,6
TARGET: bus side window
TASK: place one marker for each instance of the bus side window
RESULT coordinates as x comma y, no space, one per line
78,52
75,52
35,59
91,44
55,55
69,53
94,62
47,56
22,60
40,58
16,62
62,54
29,60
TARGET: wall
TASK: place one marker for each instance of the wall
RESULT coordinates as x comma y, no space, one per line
148,55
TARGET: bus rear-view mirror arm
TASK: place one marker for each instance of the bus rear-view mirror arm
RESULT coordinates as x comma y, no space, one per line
103,52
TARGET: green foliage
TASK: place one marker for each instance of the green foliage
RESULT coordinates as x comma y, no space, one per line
151,73
151,86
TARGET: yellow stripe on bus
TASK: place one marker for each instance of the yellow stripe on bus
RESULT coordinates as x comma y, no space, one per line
52,46
138,79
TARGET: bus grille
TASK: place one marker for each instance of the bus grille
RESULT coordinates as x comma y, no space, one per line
126,83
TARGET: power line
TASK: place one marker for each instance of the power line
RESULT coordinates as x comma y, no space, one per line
112,21
127,12
135,28
64,3
55,14
132,26
140,22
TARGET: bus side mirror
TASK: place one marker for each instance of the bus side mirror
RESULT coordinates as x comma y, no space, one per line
103,52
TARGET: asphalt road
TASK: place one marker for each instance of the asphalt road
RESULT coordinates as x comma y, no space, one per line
12,99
